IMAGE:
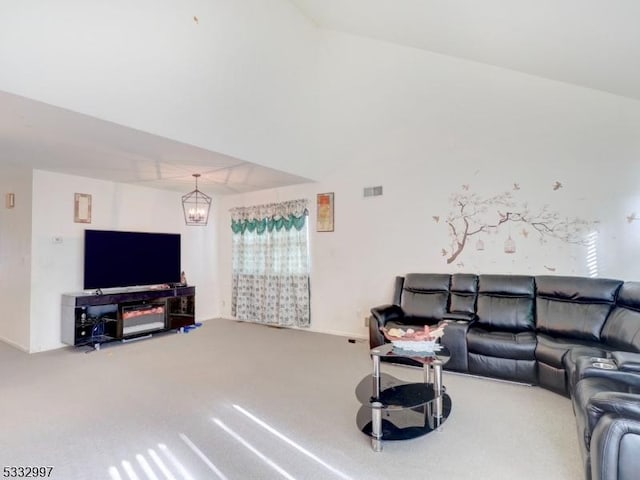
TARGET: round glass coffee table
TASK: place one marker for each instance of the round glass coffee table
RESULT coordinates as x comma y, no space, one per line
396,410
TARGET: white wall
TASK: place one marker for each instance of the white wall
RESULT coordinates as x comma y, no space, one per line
230,82
57,267
423,125
15,256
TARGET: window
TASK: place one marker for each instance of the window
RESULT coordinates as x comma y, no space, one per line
271,263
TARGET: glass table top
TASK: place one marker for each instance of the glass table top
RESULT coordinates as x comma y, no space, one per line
388,351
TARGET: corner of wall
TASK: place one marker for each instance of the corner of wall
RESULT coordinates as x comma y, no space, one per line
15,255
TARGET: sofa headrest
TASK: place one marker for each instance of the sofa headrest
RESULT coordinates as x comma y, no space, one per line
577,289
464,283
507,285
427,282
629,296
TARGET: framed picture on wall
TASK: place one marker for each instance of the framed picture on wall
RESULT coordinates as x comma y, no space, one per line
324,212
82,208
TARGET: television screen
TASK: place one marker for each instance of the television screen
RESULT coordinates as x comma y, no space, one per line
126,259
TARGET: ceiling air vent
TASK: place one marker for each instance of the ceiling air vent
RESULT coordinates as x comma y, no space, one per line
373,191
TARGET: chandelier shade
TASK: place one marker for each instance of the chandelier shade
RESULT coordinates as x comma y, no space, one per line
196,206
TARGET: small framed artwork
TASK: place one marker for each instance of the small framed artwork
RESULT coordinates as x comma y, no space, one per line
82,208
324,212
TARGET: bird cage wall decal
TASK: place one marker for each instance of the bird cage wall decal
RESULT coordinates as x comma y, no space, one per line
196,206
509,245
480,245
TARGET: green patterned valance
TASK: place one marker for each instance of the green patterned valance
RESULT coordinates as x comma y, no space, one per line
269,217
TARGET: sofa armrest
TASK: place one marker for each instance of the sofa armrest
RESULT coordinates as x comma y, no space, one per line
624,405
588,367
627,361
455,339
379,317
386,313
610,458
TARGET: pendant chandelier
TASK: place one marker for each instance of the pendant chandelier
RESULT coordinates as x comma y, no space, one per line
196,206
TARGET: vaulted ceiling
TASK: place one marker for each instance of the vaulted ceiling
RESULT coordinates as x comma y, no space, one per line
76,76
590,43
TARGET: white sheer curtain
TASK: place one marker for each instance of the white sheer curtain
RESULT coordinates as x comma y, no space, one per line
271,263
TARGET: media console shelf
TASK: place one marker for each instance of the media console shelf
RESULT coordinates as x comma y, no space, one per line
91,319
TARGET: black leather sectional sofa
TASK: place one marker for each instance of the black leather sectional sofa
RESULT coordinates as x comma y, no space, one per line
579,337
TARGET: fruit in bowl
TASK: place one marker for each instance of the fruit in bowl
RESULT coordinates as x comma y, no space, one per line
423,339
427,333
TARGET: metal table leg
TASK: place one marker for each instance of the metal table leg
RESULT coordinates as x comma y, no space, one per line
428,373
376,408
376,377
376,426
437,391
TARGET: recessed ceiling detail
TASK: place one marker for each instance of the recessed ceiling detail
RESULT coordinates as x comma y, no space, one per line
54,139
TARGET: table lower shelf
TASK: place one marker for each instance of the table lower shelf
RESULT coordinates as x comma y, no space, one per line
406,423
395,393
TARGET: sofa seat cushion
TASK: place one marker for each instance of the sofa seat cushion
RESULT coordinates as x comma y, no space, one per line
517,346
552,350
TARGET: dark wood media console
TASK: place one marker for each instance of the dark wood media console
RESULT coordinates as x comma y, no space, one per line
92,319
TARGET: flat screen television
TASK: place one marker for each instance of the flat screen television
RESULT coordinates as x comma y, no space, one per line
126,259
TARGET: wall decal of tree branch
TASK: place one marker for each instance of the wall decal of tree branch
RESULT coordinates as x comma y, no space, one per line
473,214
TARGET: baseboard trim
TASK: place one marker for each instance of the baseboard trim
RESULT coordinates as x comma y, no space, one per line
482,377
337,333
14,345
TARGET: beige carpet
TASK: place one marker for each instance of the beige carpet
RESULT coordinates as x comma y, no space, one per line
234,400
